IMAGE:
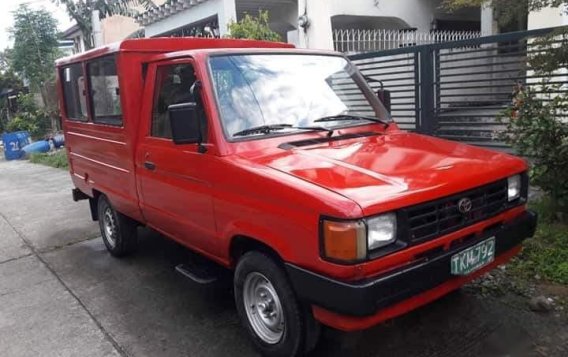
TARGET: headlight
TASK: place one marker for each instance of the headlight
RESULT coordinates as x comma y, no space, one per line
381,230
349,241
514,187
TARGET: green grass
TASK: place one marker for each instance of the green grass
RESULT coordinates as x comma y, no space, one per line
546,254
57,159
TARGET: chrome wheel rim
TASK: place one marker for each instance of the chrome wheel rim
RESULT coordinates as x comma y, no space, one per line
263,307
109,227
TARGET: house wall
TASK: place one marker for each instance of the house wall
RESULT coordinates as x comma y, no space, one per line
548,17
420,17
223,9
116,28
418,14
392,14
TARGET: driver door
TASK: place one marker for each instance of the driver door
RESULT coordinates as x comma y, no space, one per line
175,191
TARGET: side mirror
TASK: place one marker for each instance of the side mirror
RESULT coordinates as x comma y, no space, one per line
185,123
385,97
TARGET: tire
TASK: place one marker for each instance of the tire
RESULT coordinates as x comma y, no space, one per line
291,329
119,232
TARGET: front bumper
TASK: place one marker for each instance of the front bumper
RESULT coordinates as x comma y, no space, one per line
365,298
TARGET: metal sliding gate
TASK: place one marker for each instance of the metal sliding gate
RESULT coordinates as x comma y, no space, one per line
457,90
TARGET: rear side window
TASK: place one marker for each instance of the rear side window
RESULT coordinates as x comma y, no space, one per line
104,91
73,82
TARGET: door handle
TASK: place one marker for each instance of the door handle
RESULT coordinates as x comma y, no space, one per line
149,165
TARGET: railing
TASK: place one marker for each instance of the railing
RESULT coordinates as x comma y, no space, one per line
457,90
357,41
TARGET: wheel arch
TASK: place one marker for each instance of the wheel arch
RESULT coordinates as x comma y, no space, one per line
241,244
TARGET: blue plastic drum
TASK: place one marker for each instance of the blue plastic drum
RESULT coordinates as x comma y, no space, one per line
13,144
37,147
58,140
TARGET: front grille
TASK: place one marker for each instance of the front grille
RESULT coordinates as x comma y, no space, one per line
436,218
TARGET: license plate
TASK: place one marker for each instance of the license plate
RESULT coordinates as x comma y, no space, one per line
473,258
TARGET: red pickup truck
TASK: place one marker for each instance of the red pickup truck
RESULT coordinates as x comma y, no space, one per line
282,165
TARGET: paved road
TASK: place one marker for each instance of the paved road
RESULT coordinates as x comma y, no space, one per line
61,294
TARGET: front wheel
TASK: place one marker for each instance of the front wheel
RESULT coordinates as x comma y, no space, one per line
119,232
277,323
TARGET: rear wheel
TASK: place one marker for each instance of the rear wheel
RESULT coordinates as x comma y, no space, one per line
277,322
118,231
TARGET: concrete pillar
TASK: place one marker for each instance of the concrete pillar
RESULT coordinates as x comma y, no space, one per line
318,34
227,13
488,23
97,32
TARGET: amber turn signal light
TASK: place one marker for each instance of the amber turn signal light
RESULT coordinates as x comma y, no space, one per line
344,241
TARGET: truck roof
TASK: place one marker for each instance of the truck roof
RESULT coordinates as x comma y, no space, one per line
169,44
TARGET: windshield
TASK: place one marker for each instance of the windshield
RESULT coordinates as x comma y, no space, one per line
287,89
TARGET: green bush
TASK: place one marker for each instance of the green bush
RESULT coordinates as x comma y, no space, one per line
537,126
254,28
29,117
535,131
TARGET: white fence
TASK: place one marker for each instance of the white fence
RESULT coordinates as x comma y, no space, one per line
357,41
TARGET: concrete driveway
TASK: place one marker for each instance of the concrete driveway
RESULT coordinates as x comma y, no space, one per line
61,294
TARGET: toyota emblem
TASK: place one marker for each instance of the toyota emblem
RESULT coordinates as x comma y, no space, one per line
464,205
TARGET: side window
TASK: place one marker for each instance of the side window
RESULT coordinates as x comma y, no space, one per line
73,83
104,91
173,86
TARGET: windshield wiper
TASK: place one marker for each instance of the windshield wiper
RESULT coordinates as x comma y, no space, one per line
262,129
318,128
266,129
340,117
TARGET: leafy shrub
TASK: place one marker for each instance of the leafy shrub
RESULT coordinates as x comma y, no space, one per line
536,131
537,122
29,117
254,28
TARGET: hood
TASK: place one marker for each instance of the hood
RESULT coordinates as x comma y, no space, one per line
397,169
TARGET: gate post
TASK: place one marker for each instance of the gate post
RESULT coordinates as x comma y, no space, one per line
427,121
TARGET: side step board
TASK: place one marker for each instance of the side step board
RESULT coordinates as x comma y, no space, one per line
199,273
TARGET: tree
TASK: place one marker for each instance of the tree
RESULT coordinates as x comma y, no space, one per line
35,47
35,51
254,28
5,61
81,11
10,83
9,80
